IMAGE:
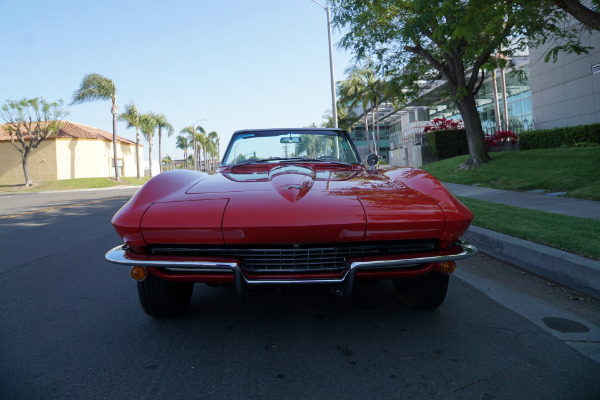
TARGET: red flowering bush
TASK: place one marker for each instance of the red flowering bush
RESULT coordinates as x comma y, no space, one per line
500,136
443,124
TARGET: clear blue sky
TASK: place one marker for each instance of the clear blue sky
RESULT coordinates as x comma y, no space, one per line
238,64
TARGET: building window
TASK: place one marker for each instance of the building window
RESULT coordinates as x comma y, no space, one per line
119,166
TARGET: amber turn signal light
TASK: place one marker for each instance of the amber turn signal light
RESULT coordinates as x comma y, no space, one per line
448,267
138,273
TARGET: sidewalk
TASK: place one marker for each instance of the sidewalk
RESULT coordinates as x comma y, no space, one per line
565,268
548,203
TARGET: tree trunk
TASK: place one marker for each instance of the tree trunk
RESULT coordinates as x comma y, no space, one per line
377,108
28,181
159,150
496,103
114,113
137,152
150,155
367,130
582,13
475,137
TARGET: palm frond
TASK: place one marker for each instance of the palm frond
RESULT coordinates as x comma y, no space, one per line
130,115
94,87
148,125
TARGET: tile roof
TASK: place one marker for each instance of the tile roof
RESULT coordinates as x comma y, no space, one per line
74,130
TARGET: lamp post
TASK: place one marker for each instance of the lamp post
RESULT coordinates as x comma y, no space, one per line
333,97
195,146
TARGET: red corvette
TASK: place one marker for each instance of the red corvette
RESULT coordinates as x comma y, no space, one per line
291,206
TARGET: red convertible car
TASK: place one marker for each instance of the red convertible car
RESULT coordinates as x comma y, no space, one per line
289,207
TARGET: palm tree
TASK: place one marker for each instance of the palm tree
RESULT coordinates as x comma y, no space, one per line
201,141
148,126
354,91
195,137
161,123
132,117
363,85
213,141
189,131
96,87
184,144
346,118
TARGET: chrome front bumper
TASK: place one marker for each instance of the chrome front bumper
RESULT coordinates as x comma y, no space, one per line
459,251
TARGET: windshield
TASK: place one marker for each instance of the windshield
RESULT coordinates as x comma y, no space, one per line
291,145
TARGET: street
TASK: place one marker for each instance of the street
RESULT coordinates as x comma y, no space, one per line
71,327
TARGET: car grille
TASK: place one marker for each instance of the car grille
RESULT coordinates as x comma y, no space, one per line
299,257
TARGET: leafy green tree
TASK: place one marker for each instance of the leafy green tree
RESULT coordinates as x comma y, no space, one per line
132,117
450,40
183,143
162,123
28,123
96,87
148,126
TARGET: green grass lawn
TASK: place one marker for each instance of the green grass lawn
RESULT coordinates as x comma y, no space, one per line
70,184
572,170
575,235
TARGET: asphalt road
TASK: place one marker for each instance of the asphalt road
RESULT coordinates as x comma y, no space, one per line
71,327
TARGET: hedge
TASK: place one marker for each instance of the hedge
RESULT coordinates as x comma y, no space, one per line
448,143
559,137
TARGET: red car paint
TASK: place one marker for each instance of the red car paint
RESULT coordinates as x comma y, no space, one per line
290,204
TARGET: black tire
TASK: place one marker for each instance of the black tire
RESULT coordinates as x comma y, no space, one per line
425,292
160,298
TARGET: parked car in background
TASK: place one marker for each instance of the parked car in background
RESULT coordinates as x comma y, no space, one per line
291,207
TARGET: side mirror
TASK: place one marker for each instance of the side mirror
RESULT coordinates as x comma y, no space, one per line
372,160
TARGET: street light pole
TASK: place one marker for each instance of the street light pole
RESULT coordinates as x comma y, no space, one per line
333,96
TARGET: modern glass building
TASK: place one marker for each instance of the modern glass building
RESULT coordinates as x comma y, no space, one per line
396,127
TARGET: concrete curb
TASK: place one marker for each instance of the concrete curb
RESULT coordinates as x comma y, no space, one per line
565,268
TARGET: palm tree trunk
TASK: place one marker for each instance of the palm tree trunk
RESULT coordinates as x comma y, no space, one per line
159,150
137,151
115,111
367,130
377,111
375,144
150,155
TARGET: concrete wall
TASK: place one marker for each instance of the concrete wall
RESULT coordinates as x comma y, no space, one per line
567,92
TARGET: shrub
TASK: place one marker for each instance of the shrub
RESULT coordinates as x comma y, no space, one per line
560,137
499,137
443,124
448,143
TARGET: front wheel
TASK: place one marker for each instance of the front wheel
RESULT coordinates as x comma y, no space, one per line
161,298
425,292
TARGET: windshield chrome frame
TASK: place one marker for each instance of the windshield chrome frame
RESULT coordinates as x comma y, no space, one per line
274,132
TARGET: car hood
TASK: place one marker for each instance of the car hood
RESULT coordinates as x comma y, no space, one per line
293,204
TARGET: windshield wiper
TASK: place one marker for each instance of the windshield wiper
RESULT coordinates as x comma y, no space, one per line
320,160
291,160
263,160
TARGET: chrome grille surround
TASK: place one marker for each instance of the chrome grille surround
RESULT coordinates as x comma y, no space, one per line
296,258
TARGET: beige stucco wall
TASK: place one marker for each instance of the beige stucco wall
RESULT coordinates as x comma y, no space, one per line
66,159
85,158
42,163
